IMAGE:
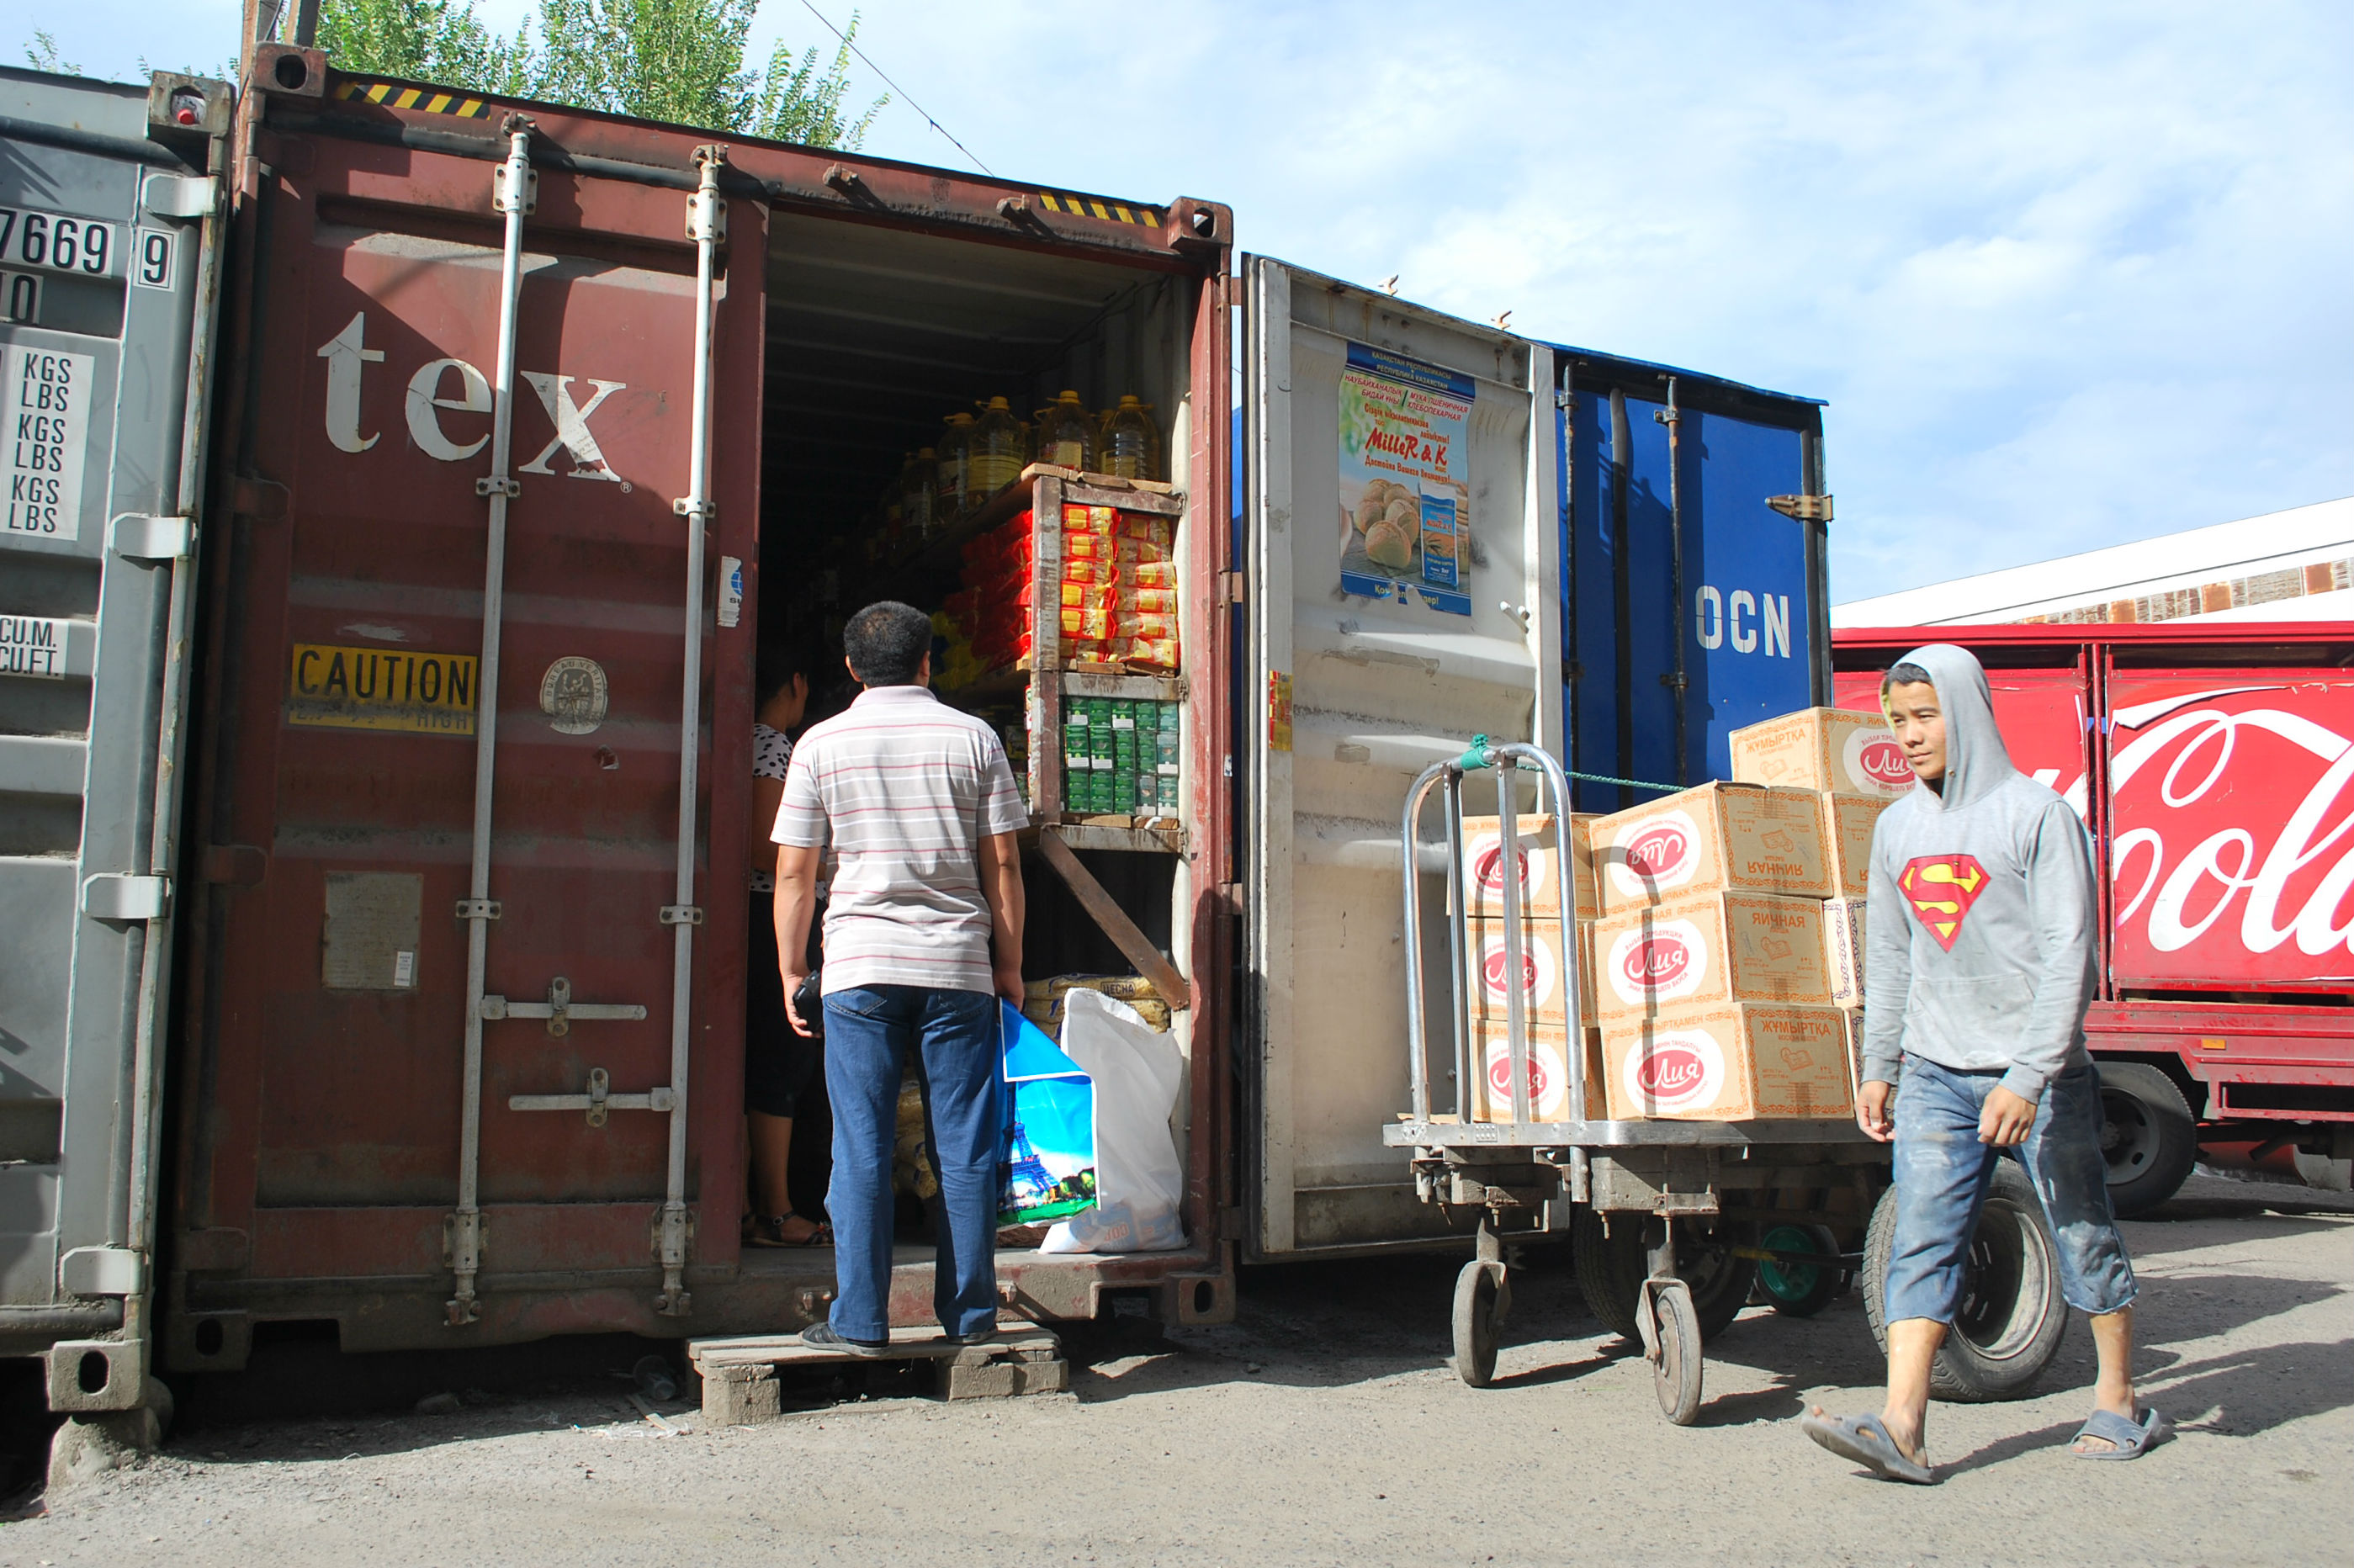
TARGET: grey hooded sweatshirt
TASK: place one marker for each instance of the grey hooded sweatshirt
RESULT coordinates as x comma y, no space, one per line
1981,925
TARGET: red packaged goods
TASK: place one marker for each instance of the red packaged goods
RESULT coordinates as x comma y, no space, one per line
1078,519
1102,572
1089,547
1148,602
1145,628
1093,625
1139,552
1150,530
1150,573
1155,653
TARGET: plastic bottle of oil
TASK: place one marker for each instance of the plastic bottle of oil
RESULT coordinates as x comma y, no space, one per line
1066,434
1131,441
919,495
998,451
949,495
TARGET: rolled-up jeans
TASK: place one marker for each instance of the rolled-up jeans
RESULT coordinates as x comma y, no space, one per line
1943,1171
869,1034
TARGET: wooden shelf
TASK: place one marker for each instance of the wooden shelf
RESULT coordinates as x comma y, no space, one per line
946,550
1126,834
1123,686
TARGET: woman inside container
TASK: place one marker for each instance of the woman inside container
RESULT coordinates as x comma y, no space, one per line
779,1066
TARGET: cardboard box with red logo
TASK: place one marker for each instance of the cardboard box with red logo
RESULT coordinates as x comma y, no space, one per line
1848,824
1853,1018
1823,748
1716,837
1491,1095
1540,857
1544,993
1843,949
1731,1062
1723,947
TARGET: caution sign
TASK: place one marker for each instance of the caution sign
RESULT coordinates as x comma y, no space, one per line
381,688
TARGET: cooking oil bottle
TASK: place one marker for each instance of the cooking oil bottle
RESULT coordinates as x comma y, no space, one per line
1131,441
998,451
1066,435
949,493
919,495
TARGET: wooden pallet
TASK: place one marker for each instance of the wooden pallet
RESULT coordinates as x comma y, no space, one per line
739,1374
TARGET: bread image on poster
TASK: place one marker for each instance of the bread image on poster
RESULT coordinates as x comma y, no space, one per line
1405,494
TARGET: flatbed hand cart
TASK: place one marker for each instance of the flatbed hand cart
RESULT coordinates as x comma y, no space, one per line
1658,1210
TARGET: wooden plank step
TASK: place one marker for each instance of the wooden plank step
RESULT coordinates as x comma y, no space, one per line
1018,1339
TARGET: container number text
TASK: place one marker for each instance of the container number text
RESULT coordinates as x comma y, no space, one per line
58,242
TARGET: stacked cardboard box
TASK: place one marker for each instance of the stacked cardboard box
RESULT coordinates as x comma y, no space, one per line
1856,770
1548,869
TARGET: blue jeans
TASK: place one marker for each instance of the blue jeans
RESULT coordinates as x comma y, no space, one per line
868,1030
1943,1171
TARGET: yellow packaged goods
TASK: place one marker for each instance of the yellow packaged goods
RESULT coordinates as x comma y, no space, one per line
1141,552
1159,654
1731,1062
1848,822
1715,838
1823,748
1545,982
1148,602
1843,949
1150,574
1078,519
1150,628
1491,1091
1722,947
1539,848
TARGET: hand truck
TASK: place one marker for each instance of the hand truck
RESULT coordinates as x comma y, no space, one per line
1669,1185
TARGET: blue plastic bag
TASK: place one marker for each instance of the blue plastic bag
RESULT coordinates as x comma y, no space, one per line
1046,1153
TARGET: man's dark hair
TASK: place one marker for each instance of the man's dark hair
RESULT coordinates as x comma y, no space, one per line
1905,675
885,643
773,669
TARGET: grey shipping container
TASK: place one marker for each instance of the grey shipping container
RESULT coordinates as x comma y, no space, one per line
109,250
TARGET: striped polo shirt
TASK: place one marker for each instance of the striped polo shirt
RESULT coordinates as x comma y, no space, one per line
903,788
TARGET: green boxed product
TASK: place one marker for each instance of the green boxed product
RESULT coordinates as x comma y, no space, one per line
1099,730
1167,792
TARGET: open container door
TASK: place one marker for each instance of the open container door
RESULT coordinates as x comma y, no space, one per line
1383,638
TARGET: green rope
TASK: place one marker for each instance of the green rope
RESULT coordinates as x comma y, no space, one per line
1476,758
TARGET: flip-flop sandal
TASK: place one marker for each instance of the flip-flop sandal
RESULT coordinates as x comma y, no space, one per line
2132,1439
1863,1439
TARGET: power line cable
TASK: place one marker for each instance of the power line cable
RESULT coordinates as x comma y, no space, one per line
905,96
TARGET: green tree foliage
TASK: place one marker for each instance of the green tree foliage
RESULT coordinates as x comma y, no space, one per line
676,60
42,52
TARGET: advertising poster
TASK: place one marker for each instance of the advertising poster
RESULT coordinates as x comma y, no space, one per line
1405,496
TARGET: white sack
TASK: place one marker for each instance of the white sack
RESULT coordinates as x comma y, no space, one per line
1139,1182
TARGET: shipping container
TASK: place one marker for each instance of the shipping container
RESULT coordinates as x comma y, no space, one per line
2211,764
109,251
1694,521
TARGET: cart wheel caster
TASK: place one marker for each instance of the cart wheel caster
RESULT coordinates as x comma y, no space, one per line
1798,1289
1482,1296
1676,1368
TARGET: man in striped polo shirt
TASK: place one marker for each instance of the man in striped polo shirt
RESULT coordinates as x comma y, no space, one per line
923,934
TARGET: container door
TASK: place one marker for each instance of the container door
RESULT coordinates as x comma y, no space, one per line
368,638
2231,857
107,247
1402,570
1754,625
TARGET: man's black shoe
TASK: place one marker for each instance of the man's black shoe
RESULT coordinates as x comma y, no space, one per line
821,1335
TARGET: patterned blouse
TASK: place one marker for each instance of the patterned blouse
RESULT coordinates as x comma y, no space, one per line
771,750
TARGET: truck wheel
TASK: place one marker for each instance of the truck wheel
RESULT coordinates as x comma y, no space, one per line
2147,1136
1610,1273
2011,1316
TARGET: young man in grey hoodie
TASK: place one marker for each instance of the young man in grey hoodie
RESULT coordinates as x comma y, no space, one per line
1981,932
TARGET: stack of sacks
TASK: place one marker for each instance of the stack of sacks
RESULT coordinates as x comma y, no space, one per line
1042,1000
1544,976
1856,770
1712,982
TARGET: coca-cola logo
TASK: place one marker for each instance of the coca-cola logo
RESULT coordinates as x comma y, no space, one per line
1657,960
1882,760
2233,815
1672,1073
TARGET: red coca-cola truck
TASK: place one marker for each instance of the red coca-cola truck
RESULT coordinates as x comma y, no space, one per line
2215,765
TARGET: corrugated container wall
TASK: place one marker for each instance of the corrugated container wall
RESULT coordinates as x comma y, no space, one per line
108,250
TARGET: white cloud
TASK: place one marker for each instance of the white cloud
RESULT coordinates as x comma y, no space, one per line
2068,275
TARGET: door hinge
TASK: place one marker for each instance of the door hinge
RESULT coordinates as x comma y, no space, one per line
180,196
1802,508
1235,290
145,538
102,1271
125,896
1233,588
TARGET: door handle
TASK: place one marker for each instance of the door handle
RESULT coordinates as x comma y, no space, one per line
559,1009
597,1100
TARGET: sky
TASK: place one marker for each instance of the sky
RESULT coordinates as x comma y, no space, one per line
2067,276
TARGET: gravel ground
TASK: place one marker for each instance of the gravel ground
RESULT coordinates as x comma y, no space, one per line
1326,1426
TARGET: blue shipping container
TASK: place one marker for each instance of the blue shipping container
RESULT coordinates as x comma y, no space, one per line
1752,608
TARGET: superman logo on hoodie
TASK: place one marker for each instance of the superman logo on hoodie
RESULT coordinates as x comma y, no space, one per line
1941,888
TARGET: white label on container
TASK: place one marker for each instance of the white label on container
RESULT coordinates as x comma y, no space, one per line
31,646
731,590
404,968
152,267
44,418
58,241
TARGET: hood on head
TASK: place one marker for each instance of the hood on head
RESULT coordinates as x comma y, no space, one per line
1977,761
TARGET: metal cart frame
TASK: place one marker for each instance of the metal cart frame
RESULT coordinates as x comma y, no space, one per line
1664,1175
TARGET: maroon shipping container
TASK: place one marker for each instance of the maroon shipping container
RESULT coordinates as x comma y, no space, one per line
461,1052
2213,763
